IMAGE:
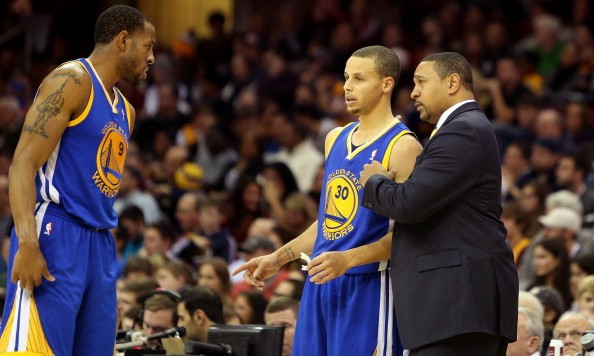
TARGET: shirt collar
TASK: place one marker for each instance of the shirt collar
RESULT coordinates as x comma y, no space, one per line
449,111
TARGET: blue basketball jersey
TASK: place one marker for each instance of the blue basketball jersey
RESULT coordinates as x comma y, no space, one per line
343,223
82,175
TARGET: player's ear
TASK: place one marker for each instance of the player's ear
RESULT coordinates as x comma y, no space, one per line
123,40
388,84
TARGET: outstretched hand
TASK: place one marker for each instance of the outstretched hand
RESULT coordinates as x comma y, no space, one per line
29,266
374,168
258,269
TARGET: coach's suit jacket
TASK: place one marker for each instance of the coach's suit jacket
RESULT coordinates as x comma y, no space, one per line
452,270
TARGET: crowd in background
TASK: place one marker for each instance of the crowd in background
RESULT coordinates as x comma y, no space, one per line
225,162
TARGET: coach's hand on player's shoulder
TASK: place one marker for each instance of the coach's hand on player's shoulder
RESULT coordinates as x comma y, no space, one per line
29,266
258,269
327,266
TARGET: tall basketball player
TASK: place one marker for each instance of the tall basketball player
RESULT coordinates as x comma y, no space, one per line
64,179
346,307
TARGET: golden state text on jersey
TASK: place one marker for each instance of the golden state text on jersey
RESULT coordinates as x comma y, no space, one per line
82,175
343,223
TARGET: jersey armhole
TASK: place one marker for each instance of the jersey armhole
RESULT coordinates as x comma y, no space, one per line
338,134
388,154
80,118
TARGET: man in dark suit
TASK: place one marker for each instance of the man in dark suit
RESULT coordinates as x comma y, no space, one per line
453,273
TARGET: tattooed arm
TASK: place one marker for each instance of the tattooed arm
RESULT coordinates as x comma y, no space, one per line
260,268
62,94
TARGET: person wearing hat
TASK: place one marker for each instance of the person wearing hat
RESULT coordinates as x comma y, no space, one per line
561,198
566,223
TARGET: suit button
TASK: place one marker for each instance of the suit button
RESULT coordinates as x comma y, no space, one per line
368,205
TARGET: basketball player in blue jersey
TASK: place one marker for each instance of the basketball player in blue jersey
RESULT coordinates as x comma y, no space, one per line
346,304
64,179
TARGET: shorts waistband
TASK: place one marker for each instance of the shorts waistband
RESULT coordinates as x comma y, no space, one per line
56,209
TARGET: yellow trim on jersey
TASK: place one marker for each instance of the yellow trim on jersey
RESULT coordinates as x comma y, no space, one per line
349,141
80,118
127,105
7,328
386,159
338,133
36,342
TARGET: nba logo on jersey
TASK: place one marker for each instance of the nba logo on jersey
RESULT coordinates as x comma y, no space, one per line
373,154
48,228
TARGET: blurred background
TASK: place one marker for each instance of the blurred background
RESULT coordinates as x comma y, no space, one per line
228,142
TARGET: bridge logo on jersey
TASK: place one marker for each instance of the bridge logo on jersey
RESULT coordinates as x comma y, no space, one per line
342,201
110,162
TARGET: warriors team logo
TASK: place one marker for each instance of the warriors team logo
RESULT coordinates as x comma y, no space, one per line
110,161
342,200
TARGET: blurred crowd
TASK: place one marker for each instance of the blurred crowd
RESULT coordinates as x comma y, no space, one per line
226,159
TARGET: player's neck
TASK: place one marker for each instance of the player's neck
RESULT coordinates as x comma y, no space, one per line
103,63
376,120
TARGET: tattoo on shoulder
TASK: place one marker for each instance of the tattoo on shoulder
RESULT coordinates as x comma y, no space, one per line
68,75
290,253
50,107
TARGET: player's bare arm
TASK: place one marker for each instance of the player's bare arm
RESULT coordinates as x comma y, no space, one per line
62,95
403,157
260,268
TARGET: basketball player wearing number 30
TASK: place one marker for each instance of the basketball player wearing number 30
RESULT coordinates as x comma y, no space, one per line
346,307
63,181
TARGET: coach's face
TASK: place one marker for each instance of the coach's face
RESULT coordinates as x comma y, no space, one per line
429,93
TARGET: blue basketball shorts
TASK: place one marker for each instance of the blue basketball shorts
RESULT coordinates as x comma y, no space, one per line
76,314
350,315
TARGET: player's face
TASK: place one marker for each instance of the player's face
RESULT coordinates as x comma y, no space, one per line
362,86
139,55
429,92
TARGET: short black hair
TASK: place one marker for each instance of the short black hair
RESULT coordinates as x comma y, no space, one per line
585,262
447,63
580,162
386,61
117,19
133,213
279,304
205,299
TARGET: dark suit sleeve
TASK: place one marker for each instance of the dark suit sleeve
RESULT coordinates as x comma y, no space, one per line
448,168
